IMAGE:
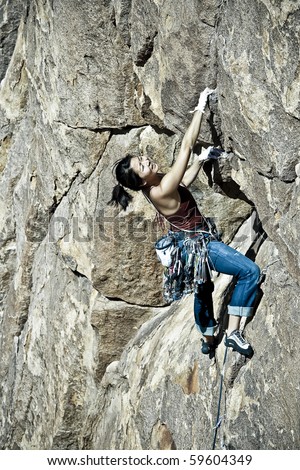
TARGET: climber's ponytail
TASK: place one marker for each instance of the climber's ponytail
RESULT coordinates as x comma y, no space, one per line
120,197
125,177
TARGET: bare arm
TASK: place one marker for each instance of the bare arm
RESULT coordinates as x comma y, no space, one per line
165,195
173,178
192,172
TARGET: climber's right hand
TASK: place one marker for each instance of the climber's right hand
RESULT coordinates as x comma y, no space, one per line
203,99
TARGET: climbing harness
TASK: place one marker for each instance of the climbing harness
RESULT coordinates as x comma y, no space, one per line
189,267
185,259
219,418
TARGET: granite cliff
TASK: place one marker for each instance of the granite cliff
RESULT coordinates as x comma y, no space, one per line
91,357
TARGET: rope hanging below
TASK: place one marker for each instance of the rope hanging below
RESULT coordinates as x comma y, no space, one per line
220,419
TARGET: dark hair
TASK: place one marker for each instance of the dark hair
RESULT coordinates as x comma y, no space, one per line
125,177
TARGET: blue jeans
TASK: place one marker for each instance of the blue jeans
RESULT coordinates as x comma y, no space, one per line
226,260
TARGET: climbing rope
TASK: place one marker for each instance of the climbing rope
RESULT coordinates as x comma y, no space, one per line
220,419
263,272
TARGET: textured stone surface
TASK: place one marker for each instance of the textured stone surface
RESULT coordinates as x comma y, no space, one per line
259,90
83,82
167,387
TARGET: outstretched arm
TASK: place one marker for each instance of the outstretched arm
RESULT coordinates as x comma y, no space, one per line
173,178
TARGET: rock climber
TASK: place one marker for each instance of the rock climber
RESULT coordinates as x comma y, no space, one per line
171,198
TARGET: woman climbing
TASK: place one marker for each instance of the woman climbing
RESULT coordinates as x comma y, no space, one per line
171,198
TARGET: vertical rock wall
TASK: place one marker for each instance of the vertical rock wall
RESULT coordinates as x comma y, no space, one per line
83,83
258,58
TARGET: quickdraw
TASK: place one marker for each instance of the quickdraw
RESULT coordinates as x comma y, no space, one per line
189,267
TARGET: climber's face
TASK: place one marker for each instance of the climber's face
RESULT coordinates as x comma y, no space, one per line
144,167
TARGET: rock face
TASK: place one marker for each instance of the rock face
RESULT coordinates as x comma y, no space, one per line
91,357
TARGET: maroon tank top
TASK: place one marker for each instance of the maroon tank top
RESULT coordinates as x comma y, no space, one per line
188,216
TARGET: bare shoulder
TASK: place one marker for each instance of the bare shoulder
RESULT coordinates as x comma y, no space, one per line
166,203
155,193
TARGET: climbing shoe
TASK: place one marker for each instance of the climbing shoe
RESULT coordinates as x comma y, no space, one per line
238,343
207,348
